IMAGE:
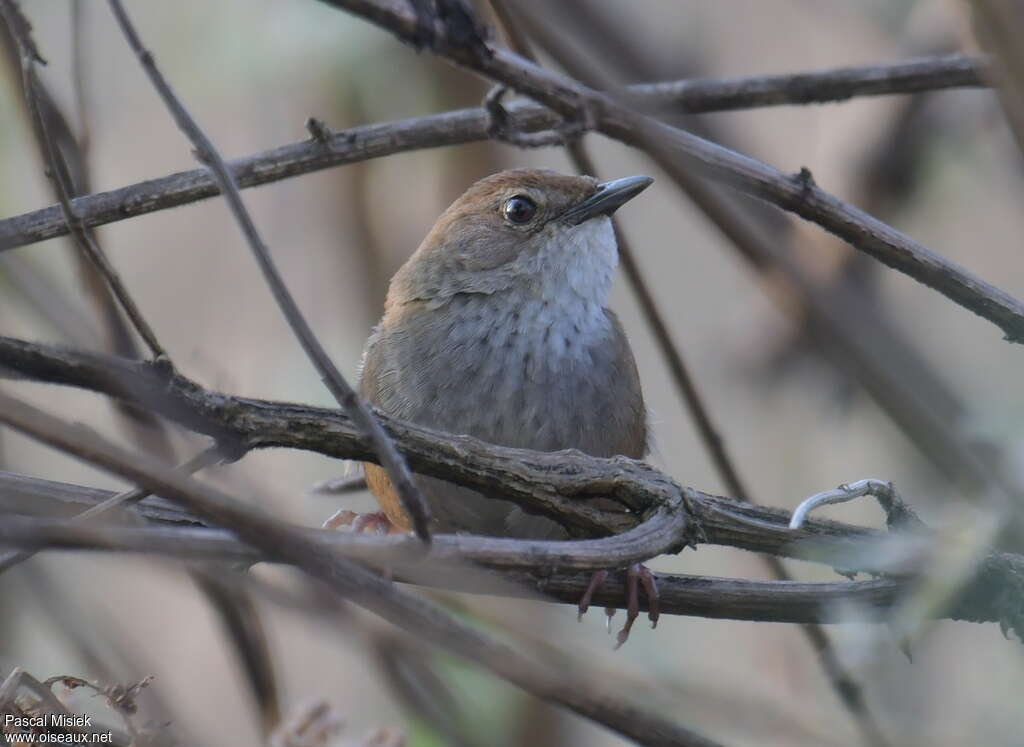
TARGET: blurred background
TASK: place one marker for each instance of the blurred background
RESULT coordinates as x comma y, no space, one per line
798,411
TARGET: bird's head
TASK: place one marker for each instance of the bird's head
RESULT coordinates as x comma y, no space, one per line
531,231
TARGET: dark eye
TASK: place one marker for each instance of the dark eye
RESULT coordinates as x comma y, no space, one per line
519,209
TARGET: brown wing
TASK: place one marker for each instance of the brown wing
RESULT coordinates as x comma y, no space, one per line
384,491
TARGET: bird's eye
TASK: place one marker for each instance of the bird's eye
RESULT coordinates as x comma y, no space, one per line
519,209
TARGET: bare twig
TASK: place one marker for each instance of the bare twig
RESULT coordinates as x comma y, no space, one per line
350,580
838,84
896,513
412,500
19,30
243,422
202,460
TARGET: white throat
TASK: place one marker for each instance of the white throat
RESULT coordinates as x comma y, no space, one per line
575,278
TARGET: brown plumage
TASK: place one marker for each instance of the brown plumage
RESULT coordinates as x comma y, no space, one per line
497,327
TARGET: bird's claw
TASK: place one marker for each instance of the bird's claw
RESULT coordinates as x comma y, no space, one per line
595,583
370,523
637,576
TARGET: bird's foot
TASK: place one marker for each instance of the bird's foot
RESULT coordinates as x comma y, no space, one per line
637,575
369,523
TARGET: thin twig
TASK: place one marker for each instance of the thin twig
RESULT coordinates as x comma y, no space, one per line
349,580
412,500
203,459
334,433
19,30
698,95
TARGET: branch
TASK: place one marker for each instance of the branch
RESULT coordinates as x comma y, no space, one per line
552,484
559,485
454,128
526,563
735,599
920,75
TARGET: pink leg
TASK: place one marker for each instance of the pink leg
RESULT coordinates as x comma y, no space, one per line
370,523
595,583
637,576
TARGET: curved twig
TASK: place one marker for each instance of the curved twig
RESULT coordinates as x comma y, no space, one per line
519,561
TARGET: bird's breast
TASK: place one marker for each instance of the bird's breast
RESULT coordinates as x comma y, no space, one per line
544,374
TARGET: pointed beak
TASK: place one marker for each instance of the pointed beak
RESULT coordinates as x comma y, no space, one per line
607,199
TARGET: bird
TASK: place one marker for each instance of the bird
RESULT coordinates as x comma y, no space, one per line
498,327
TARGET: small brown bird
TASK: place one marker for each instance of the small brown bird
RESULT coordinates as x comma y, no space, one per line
498,327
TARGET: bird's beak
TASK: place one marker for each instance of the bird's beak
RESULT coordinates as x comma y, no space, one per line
607,199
